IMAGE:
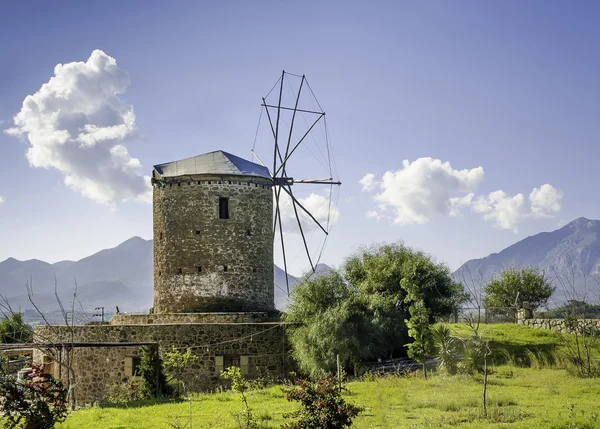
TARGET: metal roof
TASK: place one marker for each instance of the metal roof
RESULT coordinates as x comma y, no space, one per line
217,162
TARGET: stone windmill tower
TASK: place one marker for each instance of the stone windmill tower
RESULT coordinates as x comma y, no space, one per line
213,235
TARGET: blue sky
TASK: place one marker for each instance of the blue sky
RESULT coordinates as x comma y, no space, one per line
511,87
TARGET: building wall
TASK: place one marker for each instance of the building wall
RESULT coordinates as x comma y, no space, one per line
260,347
192,245
179,318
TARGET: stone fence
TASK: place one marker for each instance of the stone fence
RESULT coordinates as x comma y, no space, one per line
565,326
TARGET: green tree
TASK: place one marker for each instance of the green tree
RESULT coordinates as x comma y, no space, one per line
361,313
176,363
151,370
518,285
330,321
14,330
388,279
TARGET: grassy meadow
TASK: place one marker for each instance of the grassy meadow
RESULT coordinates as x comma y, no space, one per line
541,396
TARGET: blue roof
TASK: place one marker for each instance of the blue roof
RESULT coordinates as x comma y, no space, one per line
217,162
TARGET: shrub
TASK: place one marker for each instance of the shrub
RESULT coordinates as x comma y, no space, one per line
323,406
36,403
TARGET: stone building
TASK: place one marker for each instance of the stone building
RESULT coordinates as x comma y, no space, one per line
213,283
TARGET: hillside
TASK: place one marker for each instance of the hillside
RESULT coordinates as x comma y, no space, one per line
569,256
121,276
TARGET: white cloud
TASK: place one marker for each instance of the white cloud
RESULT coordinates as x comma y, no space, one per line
368,182
547,199
77,123
427,187
318,205
505,211
422,189
1,199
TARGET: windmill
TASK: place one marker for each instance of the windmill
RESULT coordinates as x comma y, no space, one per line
294,142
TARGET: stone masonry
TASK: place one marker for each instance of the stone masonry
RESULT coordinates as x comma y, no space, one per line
258,348
204,263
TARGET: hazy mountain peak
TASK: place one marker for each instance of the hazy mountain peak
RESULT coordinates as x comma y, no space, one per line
573,248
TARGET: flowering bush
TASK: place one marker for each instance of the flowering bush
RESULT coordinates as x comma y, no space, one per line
35,403
323,406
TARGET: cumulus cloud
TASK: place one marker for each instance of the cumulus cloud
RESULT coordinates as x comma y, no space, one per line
77,124
318,205
368,182
545,200
422,189
428,187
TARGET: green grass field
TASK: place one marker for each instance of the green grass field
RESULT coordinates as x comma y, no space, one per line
517,398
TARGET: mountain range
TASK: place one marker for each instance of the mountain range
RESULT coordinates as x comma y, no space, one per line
569,256
121,276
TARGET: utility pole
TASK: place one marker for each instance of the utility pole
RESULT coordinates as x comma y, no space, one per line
99,315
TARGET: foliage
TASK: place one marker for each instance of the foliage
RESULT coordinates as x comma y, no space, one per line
361,312
323,406
331,321
36,403
124,392
151,370
175,363
382,277
572,307
14,330
241,385
447,348
518,285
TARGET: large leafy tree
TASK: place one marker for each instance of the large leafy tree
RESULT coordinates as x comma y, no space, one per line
331,321
14,330
361,313
516,286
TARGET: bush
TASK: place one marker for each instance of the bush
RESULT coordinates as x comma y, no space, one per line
36,403
322,405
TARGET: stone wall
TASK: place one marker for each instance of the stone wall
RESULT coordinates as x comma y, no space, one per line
262,346
179,318
204,263
560,325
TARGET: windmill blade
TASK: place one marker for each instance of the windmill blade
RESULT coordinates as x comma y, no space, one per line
302,233
305,210
298,144
287,147
287,280
277,151
277,193
317,181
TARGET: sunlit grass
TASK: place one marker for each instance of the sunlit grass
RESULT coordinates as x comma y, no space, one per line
518,397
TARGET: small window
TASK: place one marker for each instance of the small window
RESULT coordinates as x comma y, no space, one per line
223,208
225,268
249,232
254,269
159,273
197,232
199,269
181,271
160,236
229,361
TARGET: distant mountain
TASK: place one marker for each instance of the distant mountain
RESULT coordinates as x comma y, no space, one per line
572,251
118,276
121,276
